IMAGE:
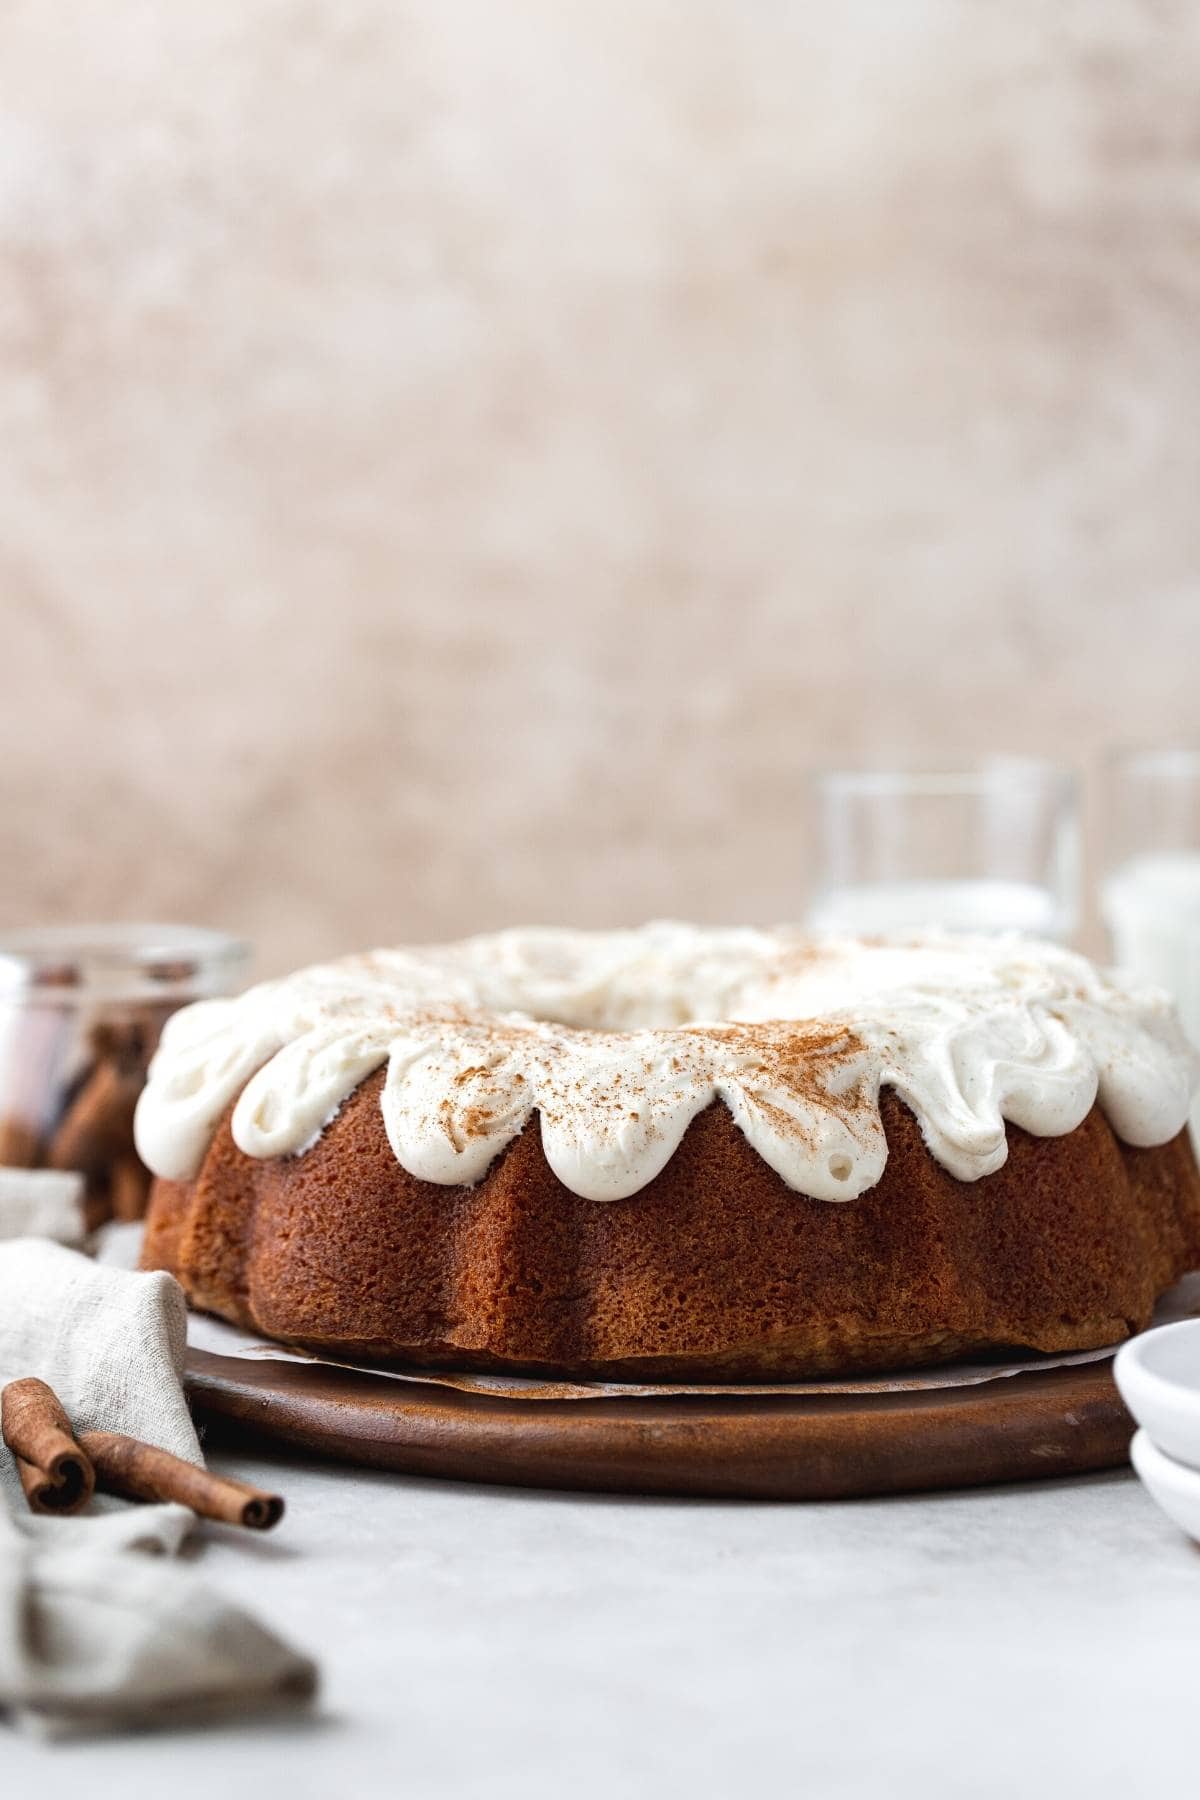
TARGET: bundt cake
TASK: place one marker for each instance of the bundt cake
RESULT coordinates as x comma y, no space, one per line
674,1153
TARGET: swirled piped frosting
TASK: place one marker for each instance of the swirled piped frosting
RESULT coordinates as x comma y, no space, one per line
616,1040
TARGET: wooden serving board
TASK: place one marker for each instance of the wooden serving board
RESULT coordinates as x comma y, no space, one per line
1062,1421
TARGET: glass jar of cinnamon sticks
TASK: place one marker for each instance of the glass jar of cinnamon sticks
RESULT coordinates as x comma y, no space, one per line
81,1009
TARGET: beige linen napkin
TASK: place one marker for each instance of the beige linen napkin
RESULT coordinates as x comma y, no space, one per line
93,1634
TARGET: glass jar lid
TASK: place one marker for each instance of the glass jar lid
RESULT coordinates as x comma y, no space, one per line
66,963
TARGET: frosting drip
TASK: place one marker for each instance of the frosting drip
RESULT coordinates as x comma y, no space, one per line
618,1039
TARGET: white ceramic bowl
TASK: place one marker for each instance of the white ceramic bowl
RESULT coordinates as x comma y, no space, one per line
1158,1375
1173,1484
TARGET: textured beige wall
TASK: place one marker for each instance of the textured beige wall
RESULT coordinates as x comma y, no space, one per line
459,462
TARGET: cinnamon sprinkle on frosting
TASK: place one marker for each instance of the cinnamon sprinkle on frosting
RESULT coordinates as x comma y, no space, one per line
617,1040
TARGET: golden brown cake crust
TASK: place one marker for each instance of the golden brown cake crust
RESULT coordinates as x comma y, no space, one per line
715,1270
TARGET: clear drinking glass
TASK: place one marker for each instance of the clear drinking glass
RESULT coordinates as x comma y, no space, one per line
81,1009
1150,891
985,846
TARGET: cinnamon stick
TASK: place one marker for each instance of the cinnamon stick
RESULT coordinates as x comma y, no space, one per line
98,1126
56,1473
97,1200
140,1471
130,1188
20,1143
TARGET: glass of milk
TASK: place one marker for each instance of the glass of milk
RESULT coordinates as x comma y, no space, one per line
1150,893
985,846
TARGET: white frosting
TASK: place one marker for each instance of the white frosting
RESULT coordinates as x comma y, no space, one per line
618,1039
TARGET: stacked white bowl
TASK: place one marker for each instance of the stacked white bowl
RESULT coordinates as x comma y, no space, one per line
1158,1375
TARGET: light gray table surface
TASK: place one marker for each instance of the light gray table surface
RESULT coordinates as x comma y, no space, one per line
1010,1641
